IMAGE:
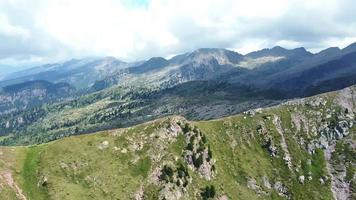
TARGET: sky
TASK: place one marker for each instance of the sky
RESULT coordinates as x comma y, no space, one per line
42,31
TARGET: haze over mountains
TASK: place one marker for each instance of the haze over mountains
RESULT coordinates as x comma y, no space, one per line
84,95
277,68
177,100
274,148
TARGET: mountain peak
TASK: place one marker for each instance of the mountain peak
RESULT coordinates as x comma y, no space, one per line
300,49
110,58
208,50
350,48
329,51
156,59
279,48
280,51
222,56
152,64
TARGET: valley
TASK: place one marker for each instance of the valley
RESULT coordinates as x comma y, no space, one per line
300,149
177,100
204,84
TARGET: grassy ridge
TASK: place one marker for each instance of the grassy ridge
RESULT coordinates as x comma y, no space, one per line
126,163
30,174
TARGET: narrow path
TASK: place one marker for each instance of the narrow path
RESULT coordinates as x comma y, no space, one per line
287,157
7,176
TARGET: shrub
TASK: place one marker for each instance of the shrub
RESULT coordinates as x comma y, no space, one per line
167,173
198,161
208,192
190,146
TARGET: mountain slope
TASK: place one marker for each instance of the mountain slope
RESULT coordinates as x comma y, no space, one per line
303,149
267,68
203,84
80,73
298,53
330,56
200,65
31,94
314,77
124,106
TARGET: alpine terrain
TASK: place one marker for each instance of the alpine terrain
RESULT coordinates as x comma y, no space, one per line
300,149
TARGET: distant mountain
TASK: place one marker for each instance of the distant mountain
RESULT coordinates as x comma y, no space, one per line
155,63
205,55
276,68
332,51
330,64
301,53
4,70
28,94
266,68
202,64
81,73
203,84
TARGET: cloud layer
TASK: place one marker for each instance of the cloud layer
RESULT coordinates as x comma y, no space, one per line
34,31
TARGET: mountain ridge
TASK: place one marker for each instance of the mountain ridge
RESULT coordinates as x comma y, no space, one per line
296,150
205,84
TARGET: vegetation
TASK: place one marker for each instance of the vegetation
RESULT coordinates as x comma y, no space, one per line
123,106
238,157
208,192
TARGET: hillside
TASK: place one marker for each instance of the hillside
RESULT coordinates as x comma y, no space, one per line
301,149
81,73
119,107
30,94
207,83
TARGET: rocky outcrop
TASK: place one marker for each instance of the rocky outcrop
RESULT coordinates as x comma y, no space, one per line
287,158
252,184
268,142
198,154
281,189
339,187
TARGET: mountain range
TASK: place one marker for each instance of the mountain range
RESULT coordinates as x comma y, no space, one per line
209,124
85,95
276,68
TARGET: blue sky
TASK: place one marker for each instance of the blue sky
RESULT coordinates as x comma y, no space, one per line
33,32
136,3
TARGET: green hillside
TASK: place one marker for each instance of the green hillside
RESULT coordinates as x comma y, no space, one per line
303,149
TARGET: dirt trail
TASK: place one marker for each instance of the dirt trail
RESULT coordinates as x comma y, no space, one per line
7,176
287,157
7,179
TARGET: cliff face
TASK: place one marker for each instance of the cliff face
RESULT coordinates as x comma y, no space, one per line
302,149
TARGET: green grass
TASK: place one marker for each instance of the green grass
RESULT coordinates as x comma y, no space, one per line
30,174
7,192
142,167
178,146
81,168
151,192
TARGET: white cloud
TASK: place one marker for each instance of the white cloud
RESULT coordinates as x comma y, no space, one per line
290,44
59,29
11,30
